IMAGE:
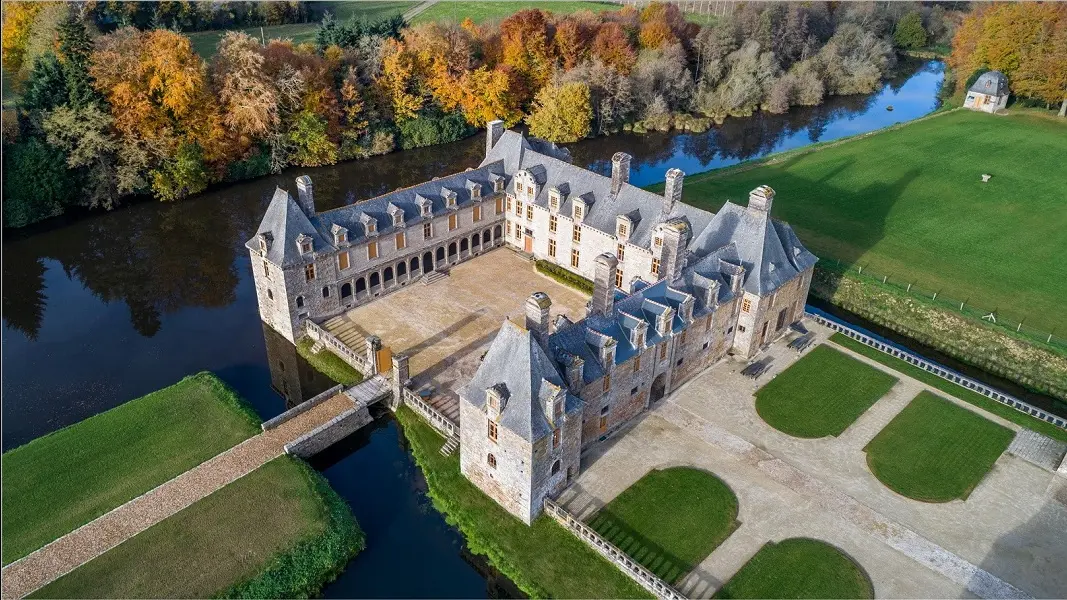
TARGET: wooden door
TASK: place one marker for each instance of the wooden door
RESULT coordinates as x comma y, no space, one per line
385,360
528,242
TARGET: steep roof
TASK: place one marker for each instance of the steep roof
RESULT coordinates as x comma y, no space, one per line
993,83
285,222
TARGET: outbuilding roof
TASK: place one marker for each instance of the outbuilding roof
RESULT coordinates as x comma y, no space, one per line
993,83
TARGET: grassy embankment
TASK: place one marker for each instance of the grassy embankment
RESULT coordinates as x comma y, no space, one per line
544,559
278,532
821,394
798,568
670,520
65,479
564,277
992,406
936,451
908,203
328,363
480,12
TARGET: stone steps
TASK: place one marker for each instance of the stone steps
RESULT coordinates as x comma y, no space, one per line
450,446
1038,449
435,276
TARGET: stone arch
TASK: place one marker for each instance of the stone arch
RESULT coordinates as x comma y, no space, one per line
300,302
361,285
476,241
555,467
346,290
375,279
485,237
427,262
497,232
401,268
452,249
440,254
415,265
659,386
464,245
387,275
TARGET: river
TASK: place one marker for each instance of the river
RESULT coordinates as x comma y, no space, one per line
112,306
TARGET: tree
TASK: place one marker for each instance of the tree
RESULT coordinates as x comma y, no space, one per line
246,95
487,95
612,46
310,146
75,50
37,184
18,22
46,87
562,113
84,136
909,33
182,175
526,48
399,82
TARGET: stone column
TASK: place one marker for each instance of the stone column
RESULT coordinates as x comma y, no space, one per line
400,380
374,344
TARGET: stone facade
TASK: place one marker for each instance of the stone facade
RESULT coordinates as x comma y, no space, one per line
989,93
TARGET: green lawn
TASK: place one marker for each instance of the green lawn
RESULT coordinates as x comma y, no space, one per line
328,363
821,394
992,406
277,532
670,519
909,203
479,12
63,480
544,559
205,42
798,568
935,451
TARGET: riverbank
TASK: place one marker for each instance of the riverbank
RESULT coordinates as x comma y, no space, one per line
543,559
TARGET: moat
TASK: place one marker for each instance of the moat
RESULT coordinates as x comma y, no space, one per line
116,305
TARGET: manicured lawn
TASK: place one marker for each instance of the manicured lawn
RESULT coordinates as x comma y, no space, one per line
63,480
670,519
798,568
821,394
992,406
935,451
277,532
544,559
480,12
909,203
328,363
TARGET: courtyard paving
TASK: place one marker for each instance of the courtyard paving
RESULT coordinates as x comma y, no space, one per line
1008,539
445,327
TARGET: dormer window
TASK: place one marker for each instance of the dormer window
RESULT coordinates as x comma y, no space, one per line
554,199
398,219
518,187
370,224
303,243
370,227
622,227
579,211
340,235
476,190
264,242
450,198
498,184
425,205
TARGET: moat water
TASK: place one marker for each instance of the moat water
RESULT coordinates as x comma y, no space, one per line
115,305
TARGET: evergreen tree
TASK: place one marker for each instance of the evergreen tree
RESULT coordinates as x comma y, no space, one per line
76,48
910,33
46,87
37,184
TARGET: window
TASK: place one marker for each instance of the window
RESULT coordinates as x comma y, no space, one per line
518,208
305,247
746,305
300,302
518,186
491,460
604,410
451,222
663,351
683,336
372,250
509,202
266,270
270,295
530,191
633,391
577,212
552,248
427,231
659,242
529,212
553,221
398,218
574,258
577,235
342,260
555,467
492,430
679,363
518,232
498,185
499,205
637,363
707,324
620,252
309,272
370,226
477,214
607,384
508,226
706,344
557,438
741,329
618,279
558,410
623,230
325,291
655,266
401,242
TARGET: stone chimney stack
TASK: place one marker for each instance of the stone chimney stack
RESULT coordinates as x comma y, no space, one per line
672,192
493,131
620,171
604,268
306,194
761,199
538,322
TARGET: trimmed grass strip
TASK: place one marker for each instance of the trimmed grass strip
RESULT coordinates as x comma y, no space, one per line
670,519
799,568
61,481
821,394
544,560
971,397
328,363
936,451
480,12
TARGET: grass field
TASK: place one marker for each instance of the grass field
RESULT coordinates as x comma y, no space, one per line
935,451
821,394
480,12
205,42
909,203
670,519
247,532
63,480
328,363
544,559
798,568
992,406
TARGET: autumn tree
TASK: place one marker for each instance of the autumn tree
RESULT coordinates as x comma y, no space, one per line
612,46
401,82
526,46
247,96
17,26
487,95
562,113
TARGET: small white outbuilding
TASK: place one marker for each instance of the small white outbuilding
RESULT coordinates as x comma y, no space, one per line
988,94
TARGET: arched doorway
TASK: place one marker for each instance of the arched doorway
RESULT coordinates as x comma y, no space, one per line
476,241
346,290
485,236
415,266
361,285
427,262
440,254
387,276
497,231
375,279
463,247
401,268
451,250
659,385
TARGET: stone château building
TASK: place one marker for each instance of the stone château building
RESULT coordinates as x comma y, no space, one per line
675,289
989,93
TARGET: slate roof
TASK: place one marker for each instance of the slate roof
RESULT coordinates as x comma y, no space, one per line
992,82
284,221
517,361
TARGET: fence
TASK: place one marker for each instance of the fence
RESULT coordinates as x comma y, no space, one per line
645,578
335,345
432,416
940,371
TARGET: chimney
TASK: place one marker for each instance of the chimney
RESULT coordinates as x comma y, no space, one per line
604,267
575,372
672,192
493,131
620,171
307,195
761,198
537,319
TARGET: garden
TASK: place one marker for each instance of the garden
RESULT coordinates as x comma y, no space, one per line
798,568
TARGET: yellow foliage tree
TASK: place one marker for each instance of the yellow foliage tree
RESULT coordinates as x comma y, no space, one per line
17,26
562,113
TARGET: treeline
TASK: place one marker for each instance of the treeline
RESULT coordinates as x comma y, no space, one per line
1027,41
136,111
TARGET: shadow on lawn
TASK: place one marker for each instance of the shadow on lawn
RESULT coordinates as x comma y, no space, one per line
1031,556
655,558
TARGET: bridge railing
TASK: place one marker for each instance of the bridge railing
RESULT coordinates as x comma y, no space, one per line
434,417
939,370
356,361
645,578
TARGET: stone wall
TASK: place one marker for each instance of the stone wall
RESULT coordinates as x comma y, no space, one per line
509,484
329,433
749,337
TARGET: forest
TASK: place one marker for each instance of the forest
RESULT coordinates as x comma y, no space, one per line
118,105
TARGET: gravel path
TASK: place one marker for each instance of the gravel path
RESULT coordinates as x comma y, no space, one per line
74,549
